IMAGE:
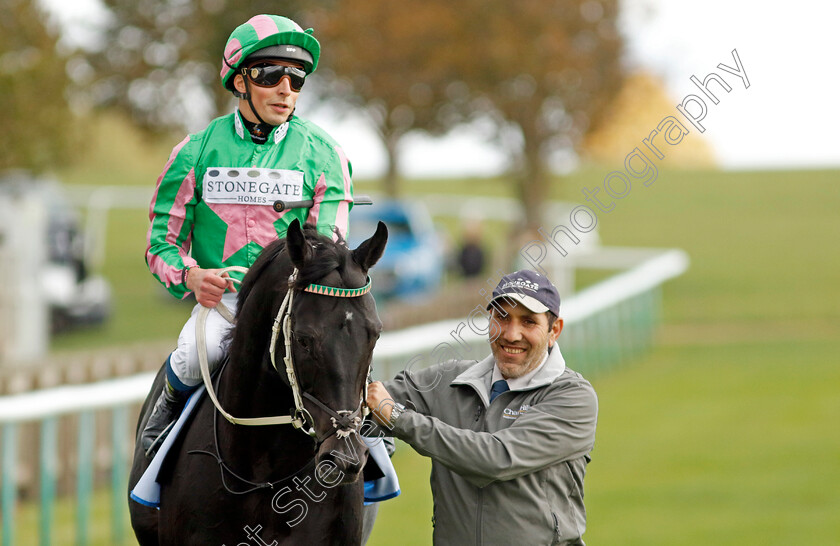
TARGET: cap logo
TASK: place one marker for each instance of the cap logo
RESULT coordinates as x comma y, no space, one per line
521,284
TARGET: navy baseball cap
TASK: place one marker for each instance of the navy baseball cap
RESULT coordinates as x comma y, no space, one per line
529,288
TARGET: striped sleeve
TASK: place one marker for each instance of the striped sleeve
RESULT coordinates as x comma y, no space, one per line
333,197
171,216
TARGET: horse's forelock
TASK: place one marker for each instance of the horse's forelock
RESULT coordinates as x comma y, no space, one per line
328,256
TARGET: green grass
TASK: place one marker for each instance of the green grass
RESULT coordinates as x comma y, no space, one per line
731,444
63,532
407,519
726,433
761,244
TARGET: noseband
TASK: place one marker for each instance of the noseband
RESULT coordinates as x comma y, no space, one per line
345,422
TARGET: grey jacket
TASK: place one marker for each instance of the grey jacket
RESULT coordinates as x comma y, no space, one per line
505,473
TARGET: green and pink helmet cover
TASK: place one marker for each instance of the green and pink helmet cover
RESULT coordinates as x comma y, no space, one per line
269,32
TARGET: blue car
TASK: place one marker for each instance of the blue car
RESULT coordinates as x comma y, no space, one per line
413,262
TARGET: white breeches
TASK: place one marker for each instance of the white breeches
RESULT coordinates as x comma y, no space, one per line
184,359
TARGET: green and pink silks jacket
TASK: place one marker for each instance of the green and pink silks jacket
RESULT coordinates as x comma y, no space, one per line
213,203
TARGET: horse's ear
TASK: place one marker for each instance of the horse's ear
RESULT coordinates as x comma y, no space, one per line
369,252
296,244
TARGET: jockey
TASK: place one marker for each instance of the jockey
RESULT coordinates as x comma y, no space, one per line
212,207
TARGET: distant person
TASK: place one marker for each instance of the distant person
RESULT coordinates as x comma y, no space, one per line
213,204
471,258
510,436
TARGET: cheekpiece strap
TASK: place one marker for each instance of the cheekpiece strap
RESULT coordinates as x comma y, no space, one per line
339,292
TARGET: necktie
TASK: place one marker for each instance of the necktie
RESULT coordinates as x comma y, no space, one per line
498,388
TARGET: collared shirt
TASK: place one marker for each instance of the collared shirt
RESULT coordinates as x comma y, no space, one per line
518,382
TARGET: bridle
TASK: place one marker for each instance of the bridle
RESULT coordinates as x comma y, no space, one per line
344,422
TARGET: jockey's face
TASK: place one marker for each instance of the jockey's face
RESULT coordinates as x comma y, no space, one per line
273,104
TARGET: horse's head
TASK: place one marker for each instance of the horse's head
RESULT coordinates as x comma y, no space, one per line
332,329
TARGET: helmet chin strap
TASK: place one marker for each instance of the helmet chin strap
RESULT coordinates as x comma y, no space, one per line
247,94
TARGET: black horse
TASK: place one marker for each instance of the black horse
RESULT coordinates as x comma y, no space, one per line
226,484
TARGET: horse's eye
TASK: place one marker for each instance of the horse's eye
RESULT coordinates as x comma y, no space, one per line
305,343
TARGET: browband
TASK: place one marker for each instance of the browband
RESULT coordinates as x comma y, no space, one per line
338,292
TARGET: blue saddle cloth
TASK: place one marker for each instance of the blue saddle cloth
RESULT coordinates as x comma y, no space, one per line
387,486
147,489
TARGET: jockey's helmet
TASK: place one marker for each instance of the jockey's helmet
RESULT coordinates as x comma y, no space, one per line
268,37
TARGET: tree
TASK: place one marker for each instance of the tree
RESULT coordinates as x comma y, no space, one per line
37,123
160,59
546,72
542,71
640,105
395,61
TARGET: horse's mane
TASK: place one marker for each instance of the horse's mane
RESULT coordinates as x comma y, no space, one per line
328,256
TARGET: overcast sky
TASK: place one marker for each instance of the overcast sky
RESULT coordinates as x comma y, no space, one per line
786,118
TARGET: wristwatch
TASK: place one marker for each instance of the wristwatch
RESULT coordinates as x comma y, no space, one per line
396,411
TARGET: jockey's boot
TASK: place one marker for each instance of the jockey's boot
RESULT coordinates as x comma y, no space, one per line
164,414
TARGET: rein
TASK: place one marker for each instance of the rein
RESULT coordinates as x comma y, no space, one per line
224,468
344,422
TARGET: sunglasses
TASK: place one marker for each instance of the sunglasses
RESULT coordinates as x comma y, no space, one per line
269,75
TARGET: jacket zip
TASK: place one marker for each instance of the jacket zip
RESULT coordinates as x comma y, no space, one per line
480,500
478,517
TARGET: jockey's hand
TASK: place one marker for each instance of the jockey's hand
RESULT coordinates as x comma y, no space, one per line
208,285
380,403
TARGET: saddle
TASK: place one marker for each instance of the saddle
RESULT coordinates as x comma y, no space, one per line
381,481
